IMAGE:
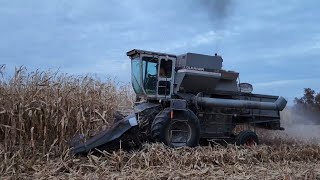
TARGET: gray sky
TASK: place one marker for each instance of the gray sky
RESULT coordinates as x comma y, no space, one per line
275,45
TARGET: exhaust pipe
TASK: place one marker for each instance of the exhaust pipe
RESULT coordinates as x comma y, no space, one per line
279,104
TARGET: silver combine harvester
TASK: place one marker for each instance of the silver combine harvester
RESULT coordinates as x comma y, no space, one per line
186,100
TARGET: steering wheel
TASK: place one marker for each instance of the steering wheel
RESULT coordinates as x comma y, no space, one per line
150,81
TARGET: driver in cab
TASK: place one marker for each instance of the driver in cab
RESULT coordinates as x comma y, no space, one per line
164,73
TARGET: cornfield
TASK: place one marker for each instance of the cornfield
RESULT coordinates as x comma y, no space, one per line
44,110
41,111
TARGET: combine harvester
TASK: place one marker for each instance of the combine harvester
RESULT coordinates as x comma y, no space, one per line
184,100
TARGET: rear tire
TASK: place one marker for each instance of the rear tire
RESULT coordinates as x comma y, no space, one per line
248,138
163,128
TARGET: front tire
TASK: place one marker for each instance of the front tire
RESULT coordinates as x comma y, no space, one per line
182,130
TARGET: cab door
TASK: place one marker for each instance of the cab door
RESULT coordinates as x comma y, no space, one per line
165,76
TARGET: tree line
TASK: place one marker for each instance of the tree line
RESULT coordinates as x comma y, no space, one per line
309,104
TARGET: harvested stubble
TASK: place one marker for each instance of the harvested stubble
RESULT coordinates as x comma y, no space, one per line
159,162
41,111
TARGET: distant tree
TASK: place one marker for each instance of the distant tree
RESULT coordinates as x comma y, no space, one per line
309,104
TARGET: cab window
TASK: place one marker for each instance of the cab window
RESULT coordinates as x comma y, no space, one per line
165,68
149,74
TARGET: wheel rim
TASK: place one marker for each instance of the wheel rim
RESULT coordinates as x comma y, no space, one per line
179,133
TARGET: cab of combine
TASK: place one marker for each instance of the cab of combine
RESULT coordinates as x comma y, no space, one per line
152,74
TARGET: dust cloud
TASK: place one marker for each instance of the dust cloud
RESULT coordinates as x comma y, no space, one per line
300,124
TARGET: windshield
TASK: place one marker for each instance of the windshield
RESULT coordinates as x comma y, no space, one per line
136,75
144,75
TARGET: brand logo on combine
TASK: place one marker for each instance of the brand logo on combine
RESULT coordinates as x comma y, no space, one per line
194,68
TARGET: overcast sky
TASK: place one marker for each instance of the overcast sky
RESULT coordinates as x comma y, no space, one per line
275,45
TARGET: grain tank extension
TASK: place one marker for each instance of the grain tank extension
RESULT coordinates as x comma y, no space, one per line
186,100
